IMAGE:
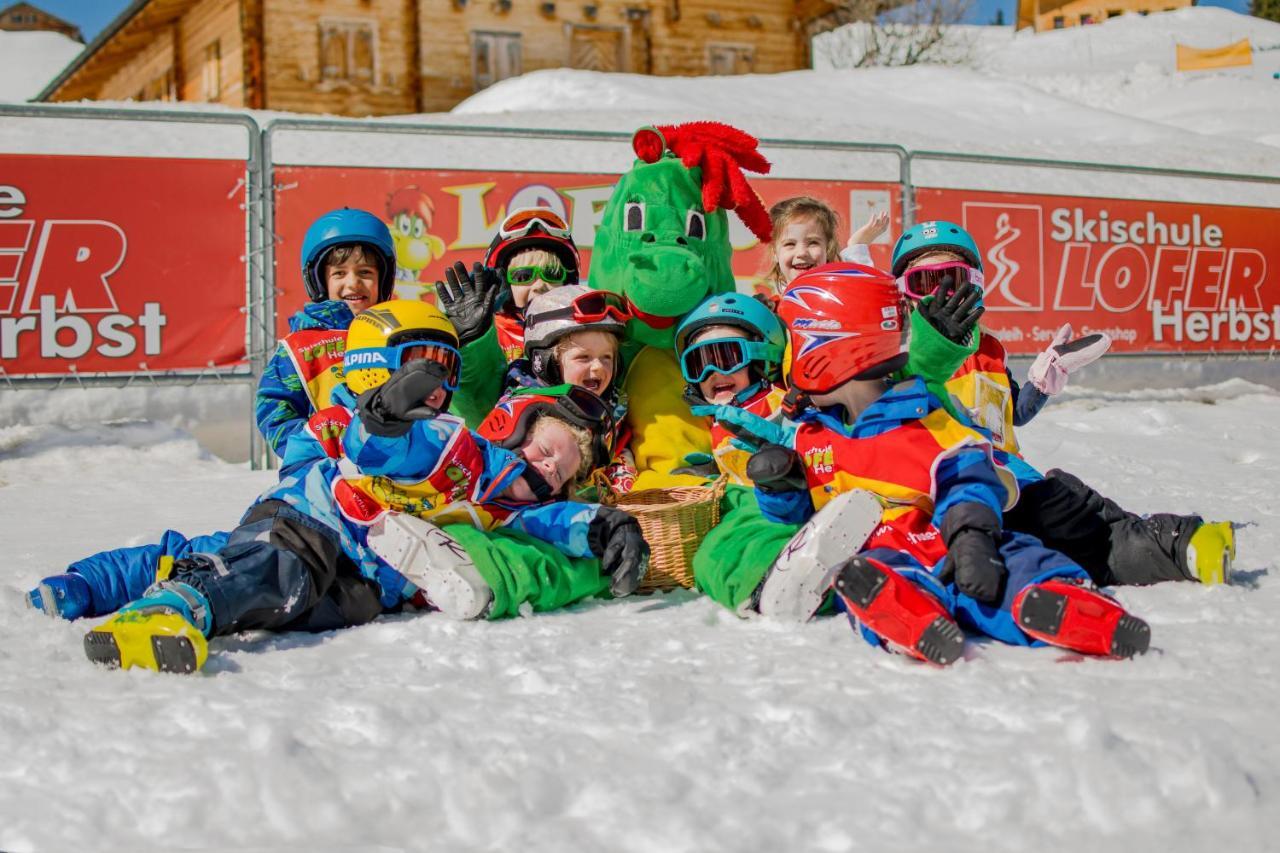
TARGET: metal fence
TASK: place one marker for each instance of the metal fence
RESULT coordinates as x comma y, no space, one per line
288,145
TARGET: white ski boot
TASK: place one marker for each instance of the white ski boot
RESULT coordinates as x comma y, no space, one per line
434,561
797,582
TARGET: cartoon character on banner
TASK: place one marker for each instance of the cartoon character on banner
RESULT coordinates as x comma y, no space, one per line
410,213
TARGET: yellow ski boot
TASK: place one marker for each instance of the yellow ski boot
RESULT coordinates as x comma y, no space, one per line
1211,551
158,631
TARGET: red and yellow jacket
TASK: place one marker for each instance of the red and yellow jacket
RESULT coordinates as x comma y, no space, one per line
908,451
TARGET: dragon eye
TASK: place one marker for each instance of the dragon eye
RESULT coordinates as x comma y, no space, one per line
695,224
633,216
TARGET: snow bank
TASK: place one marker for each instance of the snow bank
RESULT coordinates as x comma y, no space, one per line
30,60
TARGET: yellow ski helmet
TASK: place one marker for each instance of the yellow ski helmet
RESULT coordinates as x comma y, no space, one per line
381,335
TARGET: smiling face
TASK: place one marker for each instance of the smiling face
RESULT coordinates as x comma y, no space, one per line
800,245
553,451
351,275
720,388
588,360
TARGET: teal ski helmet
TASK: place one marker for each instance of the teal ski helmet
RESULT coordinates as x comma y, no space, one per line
762,326
935,236
345,227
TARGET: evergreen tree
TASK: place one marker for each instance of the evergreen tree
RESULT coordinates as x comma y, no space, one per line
999,21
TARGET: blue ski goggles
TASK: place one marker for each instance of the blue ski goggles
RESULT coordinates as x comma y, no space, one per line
392,357
723,355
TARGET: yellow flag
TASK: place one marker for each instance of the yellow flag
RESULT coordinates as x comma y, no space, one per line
1196,59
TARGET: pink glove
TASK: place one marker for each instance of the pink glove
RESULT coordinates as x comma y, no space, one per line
1050,369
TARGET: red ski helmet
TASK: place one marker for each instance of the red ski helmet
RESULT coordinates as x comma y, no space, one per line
534,228
509,423
844,321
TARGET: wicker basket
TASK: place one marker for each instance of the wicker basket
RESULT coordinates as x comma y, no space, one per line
674,522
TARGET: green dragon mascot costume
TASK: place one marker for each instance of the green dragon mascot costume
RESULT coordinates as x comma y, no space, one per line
664,245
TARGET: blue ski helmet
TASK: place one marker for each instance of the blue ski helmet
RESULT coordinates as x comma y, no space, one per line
937,236
344,227
743,312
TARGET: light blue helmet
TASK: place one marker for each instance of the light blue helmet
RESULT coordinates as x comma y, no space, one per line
936,236
344,227
743,312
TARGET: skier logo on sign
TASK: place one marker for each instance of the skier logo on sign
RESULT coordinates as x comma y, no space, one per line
1013,261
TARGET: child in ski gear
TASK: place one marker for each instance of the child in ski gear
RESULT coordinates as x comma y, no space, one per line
1115,546
940,548
532,253
309,555
730,350
348,263
573,335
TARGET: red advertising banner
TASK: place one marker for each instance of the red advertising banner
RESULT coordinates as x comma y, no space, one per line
120,265
438,217
1156,276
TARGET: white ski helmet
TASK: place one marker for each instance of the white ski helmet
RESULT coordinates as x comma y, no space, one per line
563,311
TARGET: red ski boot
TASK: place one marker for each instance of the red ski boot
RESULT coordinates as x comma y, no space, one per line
1077,617
907,618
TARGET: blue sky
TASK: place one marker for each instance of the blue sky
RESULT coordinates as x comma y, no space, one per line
92,15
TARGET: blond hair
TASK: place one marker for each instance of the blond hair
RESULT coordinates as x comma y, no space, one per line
536,258
802,207
581,437
562,345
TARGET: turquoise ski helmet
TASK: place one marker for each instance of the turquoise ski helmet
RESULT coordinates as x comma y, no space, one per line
344,227
935,236
743,312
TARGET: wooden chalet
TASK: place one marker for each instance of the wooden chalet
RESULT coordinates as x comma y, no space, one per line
23,17
383,57
1060,14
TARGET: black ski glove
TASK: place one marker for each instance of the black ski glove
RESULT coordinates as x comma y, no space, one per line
954,311
389,410
970,532
614,536
776,469
469,299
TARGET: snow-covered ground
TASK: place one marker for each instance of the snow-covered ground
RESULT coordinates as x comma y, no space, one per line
659,723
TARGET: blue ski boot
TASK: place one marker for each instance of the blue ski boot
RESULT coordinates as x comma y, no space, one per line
67,596
164,630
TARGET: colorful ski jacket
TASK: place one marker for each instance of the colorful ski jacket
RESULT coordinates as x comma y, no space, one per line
984,387
510,326
439,471
907,450
302,374
732,461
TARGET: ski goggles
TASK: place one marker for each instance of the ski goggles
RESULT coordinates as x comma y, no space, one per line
594,306
529,274
922,281
721,355
522,222
392,357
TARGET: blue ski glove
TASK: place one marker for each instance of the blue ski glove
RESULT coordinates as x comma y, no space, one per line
751,432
